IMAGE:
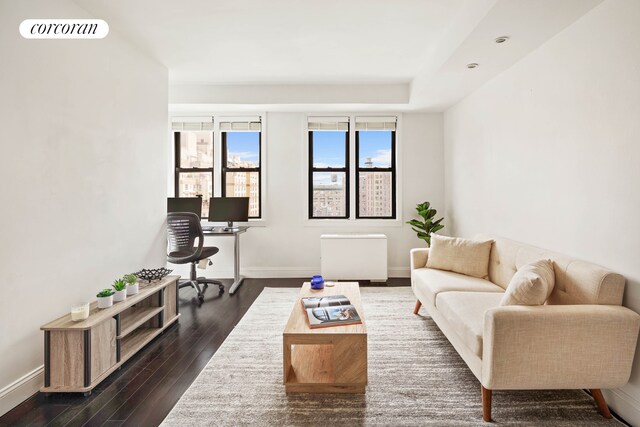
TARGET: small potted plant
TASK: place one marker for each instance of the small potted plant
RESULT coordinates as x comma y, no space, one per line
105,298
132,284
120,286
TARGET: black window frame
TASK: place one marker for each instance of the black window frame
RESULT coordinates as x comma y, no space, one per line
345,170
179,169
391,169
225,169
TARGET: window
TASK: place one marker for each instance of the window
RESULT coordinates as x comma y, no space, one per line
235,144
194,161
241,167
374,163
328,167
375,173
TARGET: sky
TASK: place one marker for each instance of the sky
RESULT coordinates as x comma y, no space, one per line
377,145
245,145
329,149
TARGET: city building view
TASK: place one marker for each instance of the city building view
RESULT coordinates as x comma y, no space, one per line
375,193
375,190
196,151
243,152
243,184
329,195
375,187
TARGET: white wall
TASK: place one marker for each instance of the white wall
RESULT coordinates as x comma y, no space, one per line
83,177
548,153
288,246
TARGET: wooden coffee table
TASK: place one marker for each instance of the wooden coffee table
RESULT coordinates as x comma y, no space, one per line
329,359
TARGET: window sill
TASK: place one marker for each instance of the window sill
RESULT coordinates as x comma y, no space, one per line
356,223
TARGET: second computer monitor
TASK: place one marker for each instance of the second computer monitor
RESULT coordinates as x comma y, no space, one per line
229,209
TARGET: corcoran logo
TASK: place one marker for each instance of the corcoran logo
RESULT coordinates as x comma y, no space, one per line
64,29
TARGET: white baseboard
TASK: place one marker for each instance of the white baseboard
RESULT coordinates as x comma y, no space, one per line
21,389
399,272
277,272
286,272
624,404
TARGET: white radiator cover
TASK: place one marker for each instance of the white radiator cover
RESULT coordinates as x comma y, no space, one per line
354,257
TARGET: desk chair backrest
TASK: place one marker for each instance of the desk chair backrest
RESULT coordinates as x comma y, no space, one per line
183,228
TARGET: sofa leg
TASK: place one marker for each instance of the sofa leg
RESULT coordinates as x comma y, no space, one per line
418,305
486,404
602,404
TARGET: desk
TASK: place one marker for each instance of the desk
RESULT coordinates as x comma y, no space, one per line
235,232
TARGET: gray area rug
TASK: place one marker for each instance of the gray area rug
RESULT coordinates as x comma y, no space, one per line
415,378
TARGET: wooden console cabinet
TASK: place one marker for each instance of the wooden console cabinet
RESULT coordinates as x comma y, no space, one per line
79,355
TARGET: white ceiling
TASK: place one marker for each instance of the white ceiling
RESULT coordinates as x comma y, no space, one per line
418,47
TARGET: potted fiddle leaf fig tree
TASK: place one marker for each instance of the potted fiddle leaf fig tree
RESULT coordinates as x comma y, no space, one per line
428,224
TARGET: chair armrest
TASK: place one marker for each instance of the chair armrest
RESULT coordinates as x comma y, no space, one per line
419,257
558,346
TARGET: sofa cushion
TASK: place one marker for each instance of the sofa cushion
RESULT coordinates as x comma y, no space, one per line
531,285
464,311
427,283
576,281
464,256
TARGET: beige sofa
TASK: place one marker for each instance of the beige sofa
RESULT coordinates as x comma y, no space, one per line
581,339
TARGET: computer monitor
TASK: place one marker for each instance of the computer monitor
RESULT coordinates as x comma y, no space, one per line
229,209
185,204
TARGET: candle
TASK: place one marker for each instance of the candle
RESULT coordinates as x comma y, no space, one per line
80,312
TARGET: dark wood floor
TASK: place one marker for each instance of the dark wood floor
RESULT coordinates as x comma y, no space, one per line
145,389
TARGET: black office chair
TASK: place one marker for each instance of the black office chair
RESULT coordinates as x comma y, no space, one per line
183,228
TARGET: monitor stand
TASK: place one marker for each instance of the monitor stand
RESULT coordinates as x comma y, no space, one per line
230,227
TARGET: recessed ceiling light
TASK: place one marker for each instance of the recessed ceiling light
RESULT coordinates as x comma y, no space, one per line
502,39
473,65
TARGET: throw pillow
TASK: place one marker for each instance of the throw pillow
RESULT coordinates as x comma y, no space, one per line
464,256
531,285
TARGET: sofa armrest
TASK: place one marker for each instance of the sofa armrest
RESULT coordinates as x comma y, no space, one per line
558,346
419,257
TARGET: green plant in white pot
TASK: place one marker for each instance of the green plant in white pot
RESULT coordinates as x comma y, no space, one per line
428,224
120,286
105,298
132,284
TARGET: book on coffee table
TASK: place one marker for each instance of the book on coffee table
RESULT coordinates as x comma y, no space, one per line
332,316
327,301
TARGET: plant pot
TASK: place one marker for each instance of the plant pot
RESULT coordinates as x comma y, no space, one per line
120,295
132,289
105,302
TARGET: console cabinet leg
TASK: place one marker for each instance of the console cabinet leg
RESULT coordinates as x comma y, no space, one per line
486,404
417,308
